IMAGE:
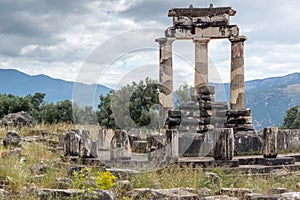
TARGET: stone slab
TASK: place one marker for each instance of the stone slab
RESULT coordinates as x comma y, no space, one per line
197,162
255,196
267,161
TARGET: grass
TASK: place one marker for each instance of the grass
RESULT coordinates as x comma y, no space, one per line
175,176
15,170
59,128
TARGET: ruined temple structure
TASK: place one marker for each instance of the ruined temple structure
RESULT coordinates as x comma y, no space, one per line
197,120
202,25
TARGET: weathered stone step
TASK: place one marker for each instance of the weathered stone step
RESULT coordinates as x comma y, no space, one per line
267,161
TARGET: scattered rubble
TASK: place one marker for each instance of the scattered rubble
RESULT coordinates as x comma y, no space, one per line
12,139
18,119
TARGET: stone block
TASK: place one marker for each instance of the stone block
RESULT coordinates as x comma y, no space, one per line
139,146
120,146
12,139
246,143
244,127
206,113
240,193
288,140
255,196
224,147
206,105
189,121
206,90
174,113
190,144
160,194
134,135
71,144
266,161
240,120
290,195
189,106
173,121
220,105
270,142
220,197
237,113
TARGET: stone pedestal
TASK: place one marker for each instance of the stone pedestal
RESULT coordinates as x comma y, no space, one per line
201,62
224,147
120,146
237,93
270,142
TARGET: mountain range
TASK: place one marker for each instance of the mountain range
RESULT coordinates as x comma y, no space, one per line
21,84
267,98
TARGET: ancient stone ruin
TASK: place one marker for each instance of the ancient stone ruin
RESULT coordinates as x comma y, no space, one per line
202,25
200,120
201,126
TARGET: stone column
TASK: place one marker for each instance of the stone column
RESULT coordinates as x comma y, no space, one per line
201,62
166,98
270,142
237,93
224,146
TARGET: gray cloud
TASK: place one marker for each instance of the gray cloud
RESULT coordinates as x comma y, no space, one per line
39,36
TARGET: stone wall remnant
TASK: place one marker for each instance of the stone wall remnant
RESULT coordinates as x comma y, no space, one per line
270,142
79,143
120,146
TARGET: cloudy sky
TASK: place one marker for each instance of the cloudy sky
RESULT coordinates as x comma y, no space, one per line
112,41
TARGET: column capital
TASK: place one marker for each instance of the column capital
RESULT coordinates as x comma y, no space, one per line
238,39
201,40
165,40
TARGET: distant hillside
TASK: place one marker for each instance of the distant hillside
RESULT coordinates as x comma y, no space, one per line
268,98
21,84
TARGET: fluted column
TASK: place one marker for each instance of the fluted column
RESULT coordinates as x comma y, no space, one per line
166,98
201,63
237,90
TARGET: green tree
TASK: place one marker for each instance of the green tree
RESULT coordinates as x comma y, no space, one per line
58,112
11,104
36,102
292,118
105,115
131,106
